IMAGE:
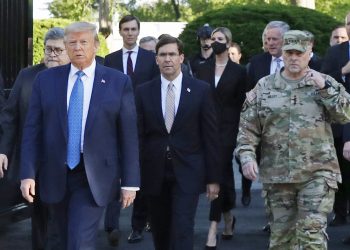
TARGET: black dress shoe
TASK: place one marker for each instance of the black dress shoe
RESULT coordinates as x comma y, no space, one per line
338,221
245,200
135,236
113,237
229,236
346,241
210,248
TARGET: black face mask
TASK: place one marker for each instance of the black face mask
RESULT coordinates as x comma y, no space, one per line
206,47
218,48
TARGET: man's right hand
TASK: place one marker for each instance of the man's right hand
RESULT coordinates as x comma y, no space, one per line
28,189
3,164
250,170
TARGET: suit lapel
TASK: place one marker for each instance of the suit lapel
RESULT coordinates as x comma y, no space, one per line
61,83
183,103
119,61
98,91
157,101
139,58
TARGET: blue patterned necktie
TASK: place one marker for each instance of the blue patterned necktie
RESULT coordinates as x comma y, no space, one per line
278,64
75,115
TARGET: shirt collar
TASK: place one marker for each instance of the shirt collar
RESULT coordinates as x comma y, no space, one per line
89,71
135,49
177,81
274,58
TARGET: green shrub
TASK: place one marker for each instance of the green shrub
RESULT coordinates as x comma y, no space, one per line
40,29
248,22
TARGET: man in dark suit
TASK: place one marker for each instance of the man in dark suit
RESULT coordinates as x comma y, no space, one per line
12,121
178,136
337,64
141,66
80,136
271,61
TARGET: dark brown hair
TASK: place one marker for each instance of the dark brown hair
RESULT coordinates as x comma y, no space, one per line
170,40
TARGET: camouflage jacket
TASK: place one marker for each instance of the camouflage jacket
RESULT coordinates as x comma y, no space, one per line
290,121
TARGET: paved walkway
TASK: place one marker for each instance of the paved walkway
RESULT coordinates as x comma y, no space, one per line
248,234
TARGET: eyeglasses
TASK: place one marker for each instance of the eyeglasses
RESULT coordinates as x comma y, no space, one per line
56,51
171,55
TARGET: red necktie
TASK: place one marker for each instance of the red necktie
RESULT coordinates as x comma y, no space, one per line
129,68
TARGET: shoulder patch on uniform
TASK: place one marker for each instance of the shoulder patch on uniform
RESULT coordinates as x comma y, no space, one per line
251,96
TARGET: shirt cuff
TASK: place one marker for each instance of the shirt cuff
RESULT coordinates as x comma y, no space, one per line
131,188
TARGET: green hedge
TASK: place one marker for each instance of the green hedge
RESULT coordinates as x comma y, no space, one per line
40,29
248,22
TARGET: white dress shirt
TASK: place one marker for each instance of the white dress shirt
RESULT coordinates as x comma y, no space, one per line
177,90
88,81
135,50
273,65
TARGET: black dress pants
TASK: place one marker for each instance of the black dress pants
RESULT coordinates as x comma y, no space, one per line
342,196
172,214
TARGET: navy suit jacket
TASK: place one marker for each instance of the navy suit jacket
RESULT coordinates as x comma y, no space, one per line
193,139
259,67
13,115
145,68
110,142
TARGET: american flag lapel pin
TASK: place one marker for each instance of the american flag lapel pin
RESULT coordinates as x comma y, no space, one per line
103,81
188,90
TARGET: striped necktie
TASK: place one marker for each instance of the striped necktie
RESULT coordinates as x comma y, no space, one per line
169,107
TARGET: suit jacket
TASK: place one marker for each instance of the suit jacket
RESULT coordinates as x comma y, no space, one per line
145,68
259,67
193,139
13,116
315,62
229,96
336,58
2,93
110,148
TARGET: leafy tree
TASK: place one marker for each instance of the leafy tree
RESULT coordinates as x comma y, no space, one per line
75,10
247,23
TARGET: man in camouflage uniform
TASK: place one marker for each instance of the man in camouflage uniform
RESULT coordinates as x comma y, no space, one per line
289,113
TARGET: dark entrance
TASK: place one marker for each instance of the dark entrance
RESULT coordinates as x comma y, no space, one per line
16,35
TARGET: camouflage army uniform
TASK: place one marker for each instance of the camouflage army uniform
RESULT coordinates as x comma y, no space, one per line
298,166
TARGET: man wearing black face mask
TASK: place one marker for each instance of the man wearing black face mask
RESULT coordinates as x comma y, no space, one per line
206,52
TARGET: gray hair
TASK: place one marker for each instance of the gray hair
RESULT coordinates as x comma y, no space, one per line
55,33
147,39
81,27
282,26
